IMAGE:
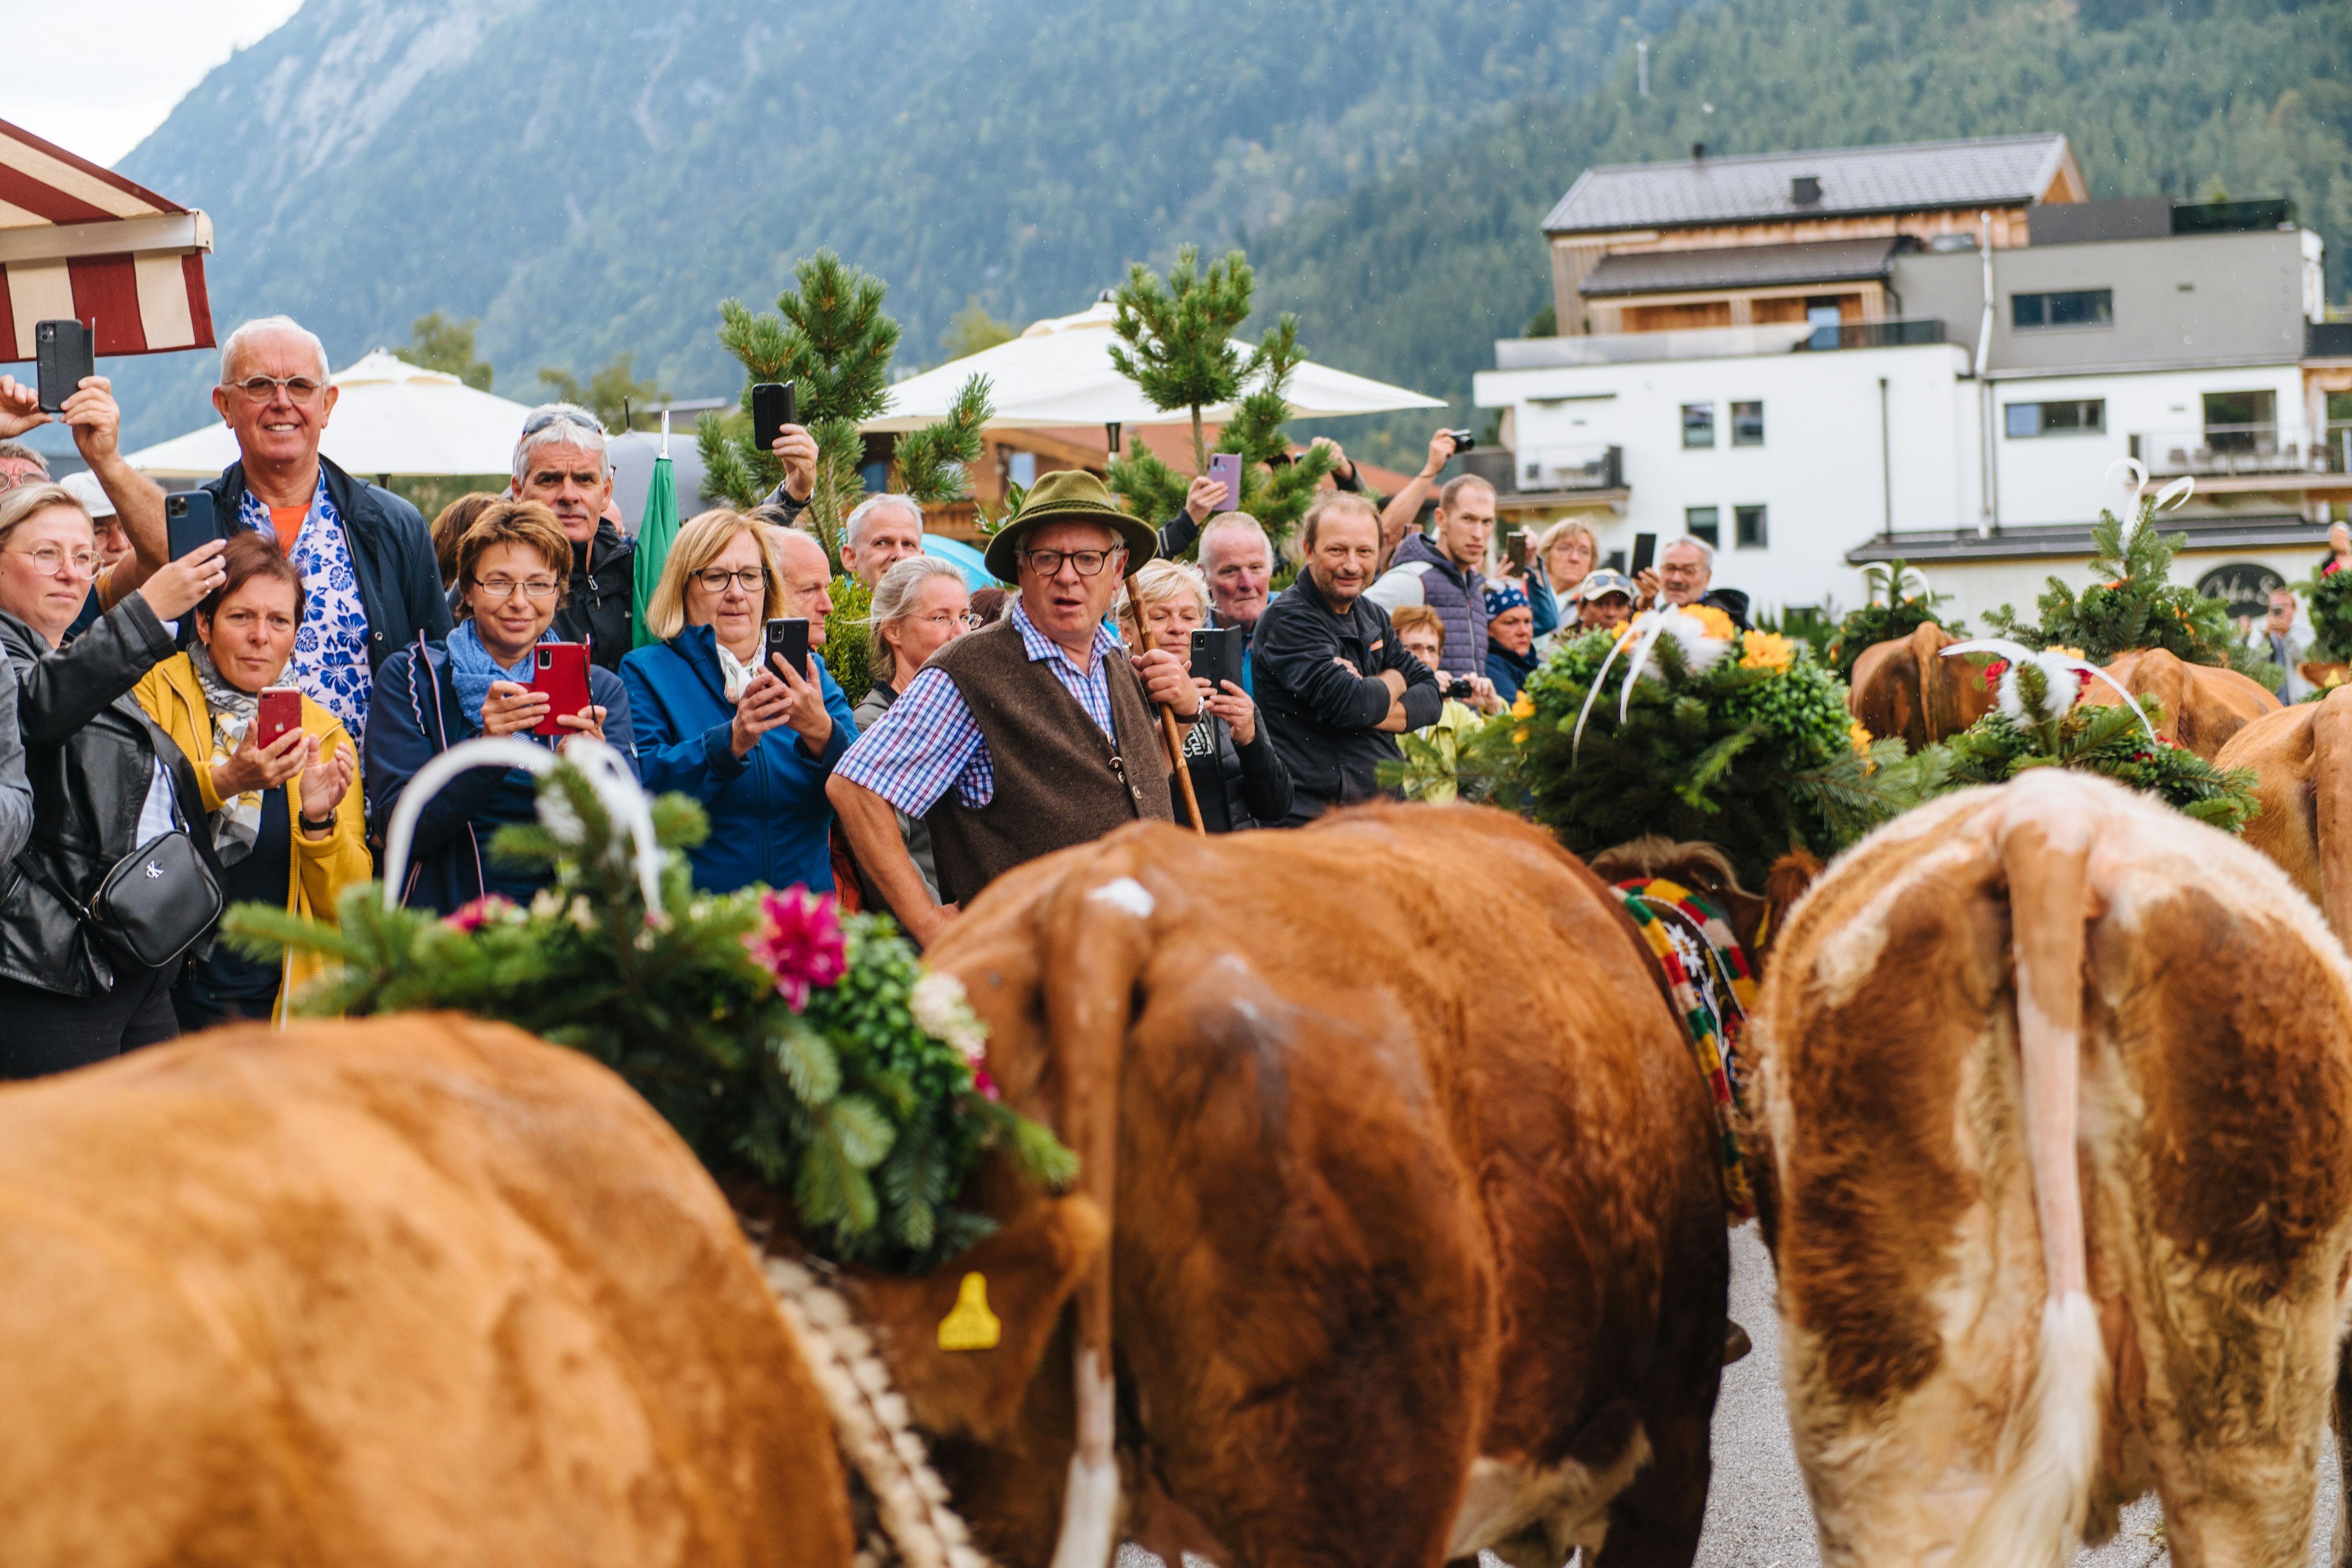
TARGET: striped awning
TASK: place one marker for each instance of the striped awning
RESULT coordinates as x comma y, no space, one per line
81,241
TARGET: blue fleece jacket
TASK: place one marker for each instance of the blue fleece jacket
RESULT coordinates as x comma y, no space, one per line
770,821
413,717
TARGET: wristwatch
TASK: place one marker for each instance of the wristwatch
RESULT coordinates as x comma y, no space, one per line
309,826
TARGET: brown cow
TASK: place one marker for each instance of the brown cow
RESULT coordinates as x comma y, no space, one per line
2057,1100
403,1292
1907,687
1417,1242
2203,706
2302,757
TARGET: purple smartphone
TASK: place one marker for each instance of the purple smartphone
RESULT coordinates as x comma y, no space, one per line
1228,466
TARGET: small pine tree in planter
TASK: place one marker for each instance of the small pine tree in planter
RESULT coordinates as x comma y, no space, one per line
1180,354
830,338
1891,614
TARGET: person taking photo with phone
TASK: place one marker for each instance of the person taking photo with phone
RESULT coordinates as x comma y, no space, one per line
746,734
105,780
285,815
127,506
1237,775
512,567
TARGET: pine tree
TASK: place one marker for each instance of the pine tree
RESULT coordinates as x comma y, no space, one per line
437,342
831,339
1183,356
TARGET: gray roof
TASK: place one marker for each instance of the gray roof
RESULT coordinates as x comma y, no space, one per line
1742,267
2048,541
1917,176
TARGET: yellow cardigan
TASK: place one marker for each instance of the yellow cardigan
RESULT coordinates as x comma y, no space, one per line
319,868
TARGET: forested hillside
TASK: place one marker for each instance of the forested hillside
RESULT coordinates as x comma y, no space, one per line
1416,271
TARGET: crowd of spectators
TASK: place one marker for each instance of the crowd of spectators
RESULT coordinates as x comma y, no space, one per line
148,705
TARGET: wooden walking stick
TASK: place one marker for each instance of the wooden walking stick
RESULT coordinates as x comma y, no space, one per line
1169,732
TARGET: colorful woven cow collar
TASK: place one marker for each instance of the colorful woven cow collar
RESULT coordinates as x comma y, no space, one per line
1708,977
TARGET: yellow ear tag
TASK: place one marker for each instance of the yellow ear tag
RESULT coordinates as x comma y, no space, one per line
970,1325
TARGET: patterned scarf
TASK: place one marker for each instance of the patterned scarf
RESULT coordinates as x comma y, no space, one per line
1708,976
734,675
473,671
236,825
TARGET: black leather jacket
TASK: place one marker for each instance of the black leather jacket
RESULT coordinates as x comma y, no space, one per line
89,753
600,610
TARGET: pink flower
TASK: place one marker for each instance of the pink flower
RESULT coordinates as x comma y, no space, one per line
982,1082
799,943
478,912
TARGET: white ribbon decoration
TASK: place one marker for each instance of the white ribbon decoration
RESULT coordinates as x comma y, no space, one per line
607,772
2170,497
2051,665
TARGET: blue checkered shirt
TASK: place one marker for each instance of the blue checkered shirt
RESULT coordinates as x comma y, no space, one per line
927,741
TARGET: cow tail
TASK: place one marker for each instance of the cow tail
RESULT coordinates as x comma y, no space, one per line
1099,931
2331,787
2034,1516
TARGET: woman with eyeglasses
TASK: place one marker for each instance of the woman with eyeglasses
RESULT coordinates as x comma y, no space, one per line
513,566
750,737
105,781
921,604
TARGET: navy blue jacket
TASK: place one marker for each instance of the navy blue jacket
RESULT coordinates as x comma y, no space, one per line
414,718
392,556
770,821
1509,670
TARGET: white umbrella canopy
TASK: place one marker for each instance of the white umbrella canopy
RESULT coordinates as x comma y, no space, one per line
1059,372
391,418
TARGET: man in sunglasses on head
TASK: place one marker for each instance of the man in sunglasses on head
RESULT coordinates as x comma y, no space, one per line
371,585
1029,735
560,462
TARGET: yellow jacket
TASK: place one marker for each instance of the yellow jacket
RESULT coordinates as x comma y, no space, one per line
319,868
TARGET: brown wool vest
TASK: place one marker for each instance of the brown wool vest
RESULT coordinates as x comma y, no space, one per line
1056,786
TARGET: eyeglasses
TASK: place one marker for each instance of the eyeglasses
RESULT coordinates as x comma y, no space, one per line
47,558
1048,563
299,389
967,620
504,587
30,477
750,579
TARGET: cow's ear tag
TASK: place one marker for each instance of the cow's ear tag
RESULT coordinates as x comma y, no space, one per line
970,1325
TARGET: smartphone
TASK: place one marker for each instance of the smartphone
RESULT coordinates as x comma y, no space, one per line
790,638
1217,655
66,352
1515,550
1228,466
280,713
189,521
774,404
1645,553
561,669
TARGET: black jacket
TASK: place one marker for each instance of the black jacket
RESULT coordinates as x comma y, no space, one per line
392,555
1324,720
600,609
1238,786
89,752
1732,602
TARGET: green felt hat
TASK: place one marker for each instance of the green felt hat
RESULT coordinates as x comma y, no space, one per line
1068,495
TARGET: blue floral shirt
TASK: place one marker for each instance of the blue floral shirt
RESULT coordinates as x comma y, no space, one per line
330,660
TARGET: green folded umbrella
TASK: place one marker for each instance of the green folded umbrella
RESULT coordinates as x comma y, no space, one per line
656,532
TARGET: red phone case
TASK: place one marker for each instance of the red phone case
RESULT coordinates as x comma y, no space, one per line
559,670
280,711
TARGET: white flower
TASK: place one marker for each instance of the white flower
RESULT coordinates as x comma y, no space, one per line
582,915
546,904
938,1004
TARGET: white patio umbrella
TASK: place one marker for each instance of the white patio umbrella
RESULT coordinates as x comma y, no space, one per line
1059,372
391,418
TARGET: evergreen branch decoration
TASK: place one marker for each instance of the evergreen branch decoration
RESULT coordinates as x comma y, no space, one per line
771,1030
1891,614
932,461
2101,738
2330,595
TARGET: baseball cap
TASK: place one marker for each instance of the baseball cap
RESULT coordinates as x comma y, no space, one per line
90,492
1600,583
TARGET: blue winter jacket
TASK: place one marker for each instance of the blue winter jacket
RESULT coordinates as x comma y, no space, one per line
770,821
414,718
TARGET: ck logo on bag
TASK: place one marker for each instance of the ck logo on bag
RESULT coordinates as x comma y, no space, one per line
154,872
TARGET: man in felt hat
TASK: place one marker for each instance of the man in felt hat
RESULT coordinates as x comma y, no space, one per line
1029,735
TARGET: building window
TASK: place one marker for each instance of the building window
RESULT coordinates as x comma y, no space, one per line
1748,525
1698,424
2241,421
2085,416
1021,468
2069,308
1748,425
1703,523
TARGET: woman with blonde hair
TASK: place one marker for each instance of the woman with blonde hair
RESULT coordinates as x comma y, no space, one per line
1237,775
1564,555
753,739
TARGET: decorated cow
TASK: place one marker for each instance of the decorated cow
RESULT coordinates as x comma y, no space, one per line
2204,705
1906,689
2056,1140
2302,757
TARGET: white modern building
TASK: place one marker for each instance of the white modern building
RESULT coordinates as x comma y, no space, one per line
1817,361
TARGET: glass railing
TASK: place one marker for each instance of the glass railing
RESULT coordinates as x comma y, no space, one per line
1711,342
1570,467
2216,450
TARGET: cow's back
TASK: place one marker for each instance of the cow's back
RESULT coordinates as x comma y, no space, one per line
2204,705
416,1290
1905,687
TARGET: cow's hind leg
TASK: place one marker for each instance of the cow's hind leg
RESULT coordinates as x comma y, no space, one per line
1655,1521
2341,1554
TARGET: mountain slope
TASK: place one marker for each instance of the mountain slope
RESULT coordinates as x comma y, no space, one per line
592,177
1415,272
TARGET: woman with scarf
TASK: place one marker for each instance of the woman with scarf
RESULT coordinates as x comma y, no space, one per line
286,818
754,745
513,565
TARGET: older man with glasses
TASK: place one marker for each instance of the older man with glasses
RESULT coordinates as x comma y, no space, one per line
126,506
1029,735
371,583
560,462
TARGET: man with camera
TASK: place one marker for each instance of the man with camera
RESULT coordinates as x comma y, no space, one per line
560,462
1440,568
1335,685
1684,576
1399,512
